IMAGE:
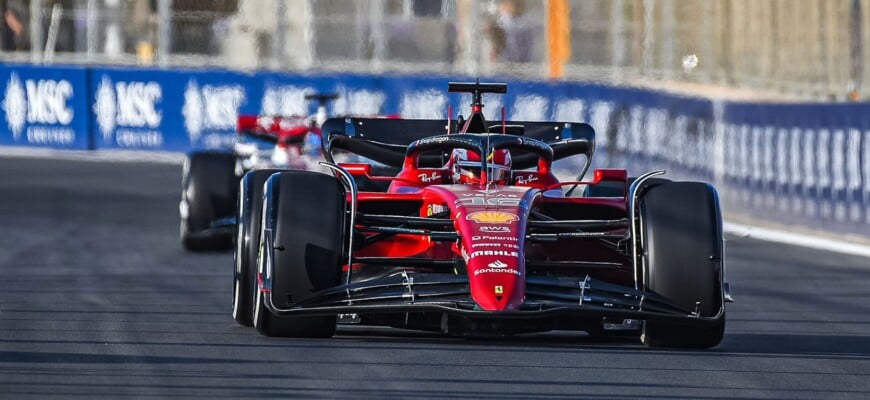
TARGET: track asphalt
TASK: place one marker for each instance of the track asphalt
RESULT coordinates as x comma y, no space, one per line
98,300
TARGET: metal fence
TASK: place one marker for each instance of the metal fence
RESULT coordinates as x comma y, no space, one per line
800,49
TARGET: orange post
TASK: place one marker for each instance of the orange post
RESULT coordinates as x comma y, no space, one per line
558,36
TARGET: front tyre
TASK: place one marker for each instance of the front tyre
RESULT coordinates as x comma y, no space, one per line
249,216
683,250
302,236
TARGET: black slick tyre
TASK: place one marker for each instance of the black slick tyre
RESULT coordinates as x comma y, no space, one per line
209,186
249,218
681,227
304,217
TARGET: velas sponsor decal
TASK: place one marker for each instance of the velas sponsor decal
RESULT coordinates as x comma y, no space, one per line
492,217
497,264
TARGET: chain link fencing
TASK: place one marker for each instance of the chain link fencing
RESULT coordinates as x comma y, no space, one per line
776,49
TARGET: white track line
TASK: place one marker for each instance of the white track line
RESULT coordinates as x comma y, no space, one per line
797,239
94,155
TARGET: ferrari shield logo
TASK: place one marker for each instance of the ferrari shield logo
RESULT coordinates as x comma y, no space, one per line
492,217
499,289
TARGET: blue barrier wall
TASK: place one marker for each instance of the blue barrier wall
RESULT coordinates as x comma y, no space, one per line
802,164
45,107
807,164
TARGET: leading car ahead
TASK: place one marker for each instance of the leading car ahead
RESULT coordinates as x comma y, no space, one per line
475,235
210,178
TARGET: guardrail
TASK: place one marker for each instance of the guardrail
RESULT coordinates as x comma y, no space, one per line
800,164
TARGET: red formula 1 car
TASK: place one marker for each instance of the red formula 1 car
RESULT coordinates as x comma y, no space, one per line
475,235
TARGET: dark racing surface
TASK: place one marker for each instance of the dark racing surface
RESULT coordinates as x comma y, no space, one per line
98,300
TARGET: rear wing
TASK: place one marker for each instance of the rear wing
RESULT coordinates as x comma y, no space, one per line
405,131
386,140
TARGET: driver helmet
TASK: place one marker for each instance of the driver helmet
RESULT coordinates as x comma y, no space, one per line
465,165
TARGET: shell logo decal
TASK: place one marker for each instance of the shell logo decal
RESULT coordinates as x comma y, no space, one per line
492,217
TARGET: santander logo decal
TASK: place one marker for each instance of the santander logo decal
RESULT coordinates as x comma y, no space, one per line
497,266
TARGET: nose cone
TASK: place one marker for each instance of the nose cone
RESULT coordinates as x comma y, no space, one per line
497,281
491,221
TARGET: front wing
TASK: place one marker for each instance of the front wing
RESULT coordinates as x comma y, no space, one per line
447,293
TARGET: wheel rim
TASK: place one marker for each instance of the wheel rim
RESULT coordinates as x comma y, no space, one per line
237,271
240,255
257,298
257,302
236,299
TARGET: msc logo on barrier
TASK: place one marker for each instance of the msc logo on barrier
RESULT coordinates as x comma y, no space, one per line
211,112
428,103
285,100
131,107
42,105
290,100
359,102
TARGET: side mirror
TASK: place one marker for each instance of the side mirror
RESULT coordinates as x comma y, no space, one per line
357,169
609,174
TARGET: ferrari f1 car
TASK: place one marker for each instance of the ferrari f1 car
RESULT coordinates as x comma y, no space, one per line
210,179
475,235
